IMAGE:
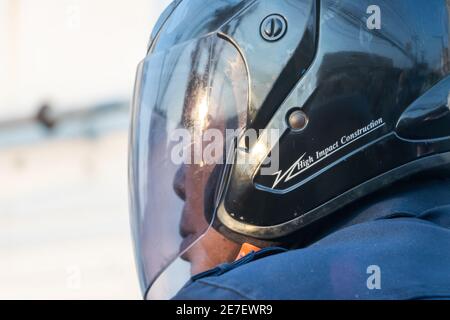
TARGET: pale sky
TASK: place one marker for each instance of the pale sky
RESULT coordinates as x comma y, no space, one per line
71,53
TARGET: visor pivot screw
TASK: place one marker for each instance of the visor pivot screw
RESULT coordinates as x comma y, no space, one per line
273,27
297,120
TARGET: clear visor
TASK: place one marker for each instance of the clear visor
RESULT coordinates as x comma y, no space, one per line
187,102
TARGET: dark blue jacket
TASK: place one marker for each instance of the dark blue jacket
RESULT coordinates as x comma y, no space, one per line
395,246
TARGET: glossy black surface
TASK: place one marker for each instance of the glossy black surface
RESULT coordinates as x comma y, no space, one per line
429,116
344,77
274,67
358,76
191,19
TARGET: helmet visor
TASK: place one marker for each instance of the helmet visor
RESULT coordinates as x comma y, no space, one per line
186,101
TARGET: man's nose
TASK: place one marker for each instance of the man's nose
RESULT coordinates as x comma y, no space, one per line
179,183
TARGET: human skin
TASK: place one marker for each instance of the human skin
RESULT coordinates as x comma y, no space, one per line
203,250
203,246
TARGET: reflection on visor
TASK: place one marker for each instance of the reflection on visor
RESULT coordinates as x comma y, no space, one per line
182,96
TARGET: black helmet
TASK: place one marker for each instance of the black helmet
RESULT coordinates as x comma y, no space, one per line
345,97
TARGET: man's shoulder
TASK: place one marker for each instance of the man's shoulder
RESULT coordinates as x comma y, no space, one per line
401,258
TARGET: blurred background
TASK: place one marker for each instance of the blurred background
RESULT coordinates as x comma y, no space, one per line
67,69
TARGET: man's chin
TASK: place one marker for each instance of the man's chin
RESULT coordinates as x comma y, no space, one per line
186,257
197,263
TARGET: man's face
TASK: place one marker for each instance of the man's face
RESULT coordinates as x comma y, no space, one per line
213,248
